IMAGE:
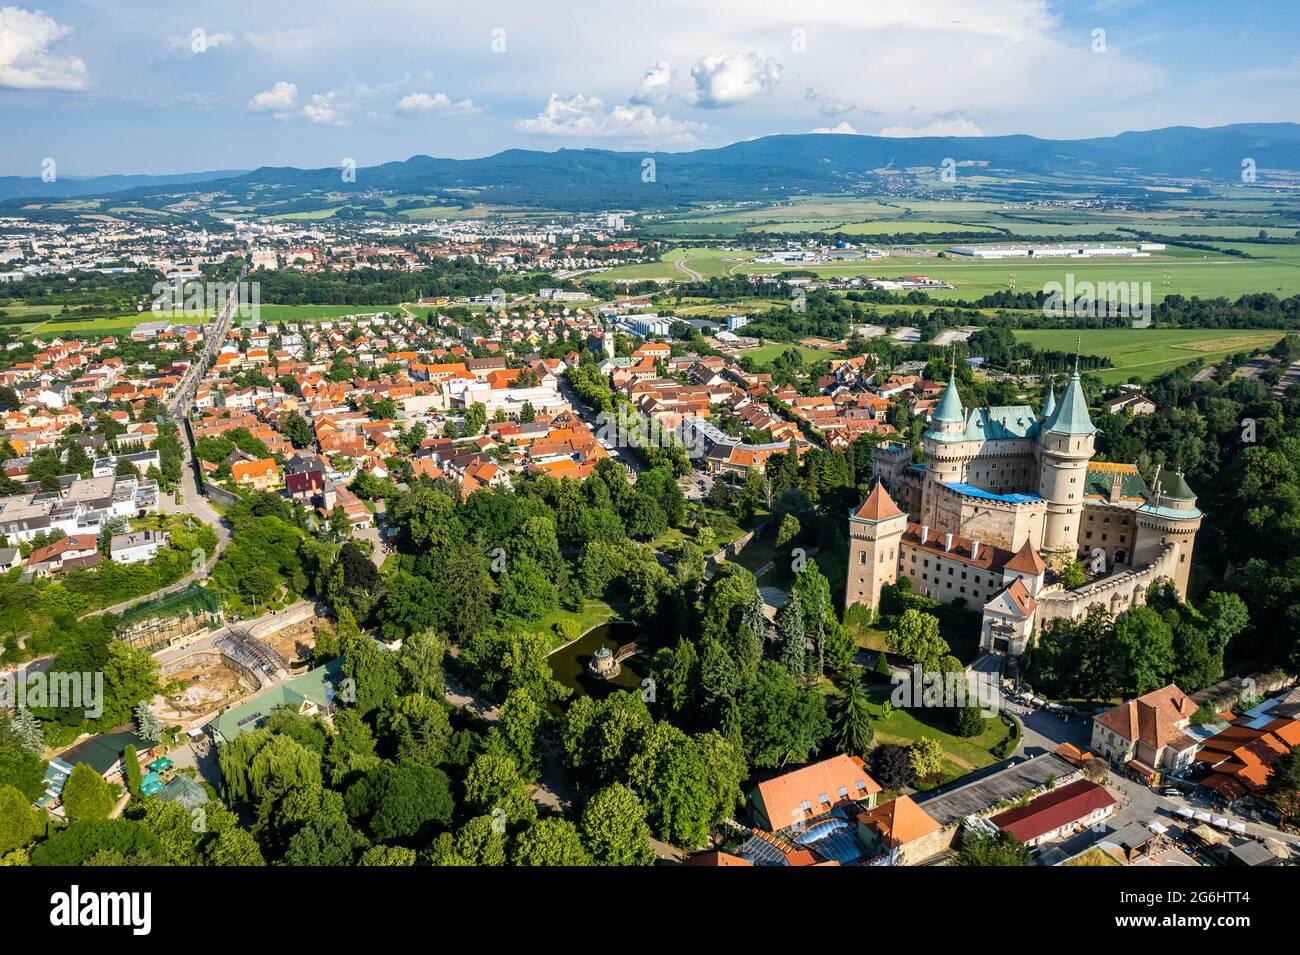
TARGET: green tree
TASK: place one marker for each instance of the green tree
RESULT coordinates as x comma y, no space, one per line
614,828
550,842
20,822
670,774
1004,849
1282,791
87,796
781,721
851,717
916,637
133,777
1146,644
926,755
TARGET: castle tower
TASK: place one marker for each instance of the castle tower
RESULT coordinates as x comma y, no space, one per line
1049,406
1169,516
875,548
1065,445
946,450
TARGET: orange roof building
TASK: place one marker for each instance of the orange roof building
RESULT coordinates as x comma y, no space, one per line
802,794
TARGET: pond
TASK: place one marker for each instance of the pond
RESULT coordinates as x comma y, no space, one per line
569,663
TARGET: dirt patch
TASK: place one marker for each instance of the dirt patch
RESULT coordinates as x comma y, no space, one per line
196,691
296,643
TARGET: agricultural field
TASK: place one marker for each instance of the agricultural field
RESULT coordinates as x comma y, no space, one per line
1147,352
1176,272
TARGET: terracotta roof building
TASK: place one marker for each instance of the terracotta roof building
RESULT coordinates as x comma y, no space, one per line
1149,734
802,794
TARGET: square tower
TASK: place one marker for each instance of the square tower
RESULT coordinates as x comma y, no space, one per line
875,535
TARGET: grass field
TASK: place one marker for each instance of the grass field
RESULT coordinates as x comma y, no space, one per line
1202,273
765,353
1148,352
302,313
960,755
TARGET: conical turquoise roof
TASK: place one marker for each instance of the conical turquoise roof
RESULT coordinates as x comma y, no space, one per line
950,409
1049,406
1071,415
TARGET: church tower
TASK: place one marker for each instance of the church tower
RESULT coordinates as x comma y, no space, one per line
1065,446
875,548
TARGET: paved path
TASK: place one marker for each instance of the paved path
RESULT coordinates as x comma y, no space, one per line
690,272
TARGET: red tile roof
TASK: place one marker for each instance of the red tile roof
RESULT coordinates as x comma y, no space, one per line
1054,809
878,506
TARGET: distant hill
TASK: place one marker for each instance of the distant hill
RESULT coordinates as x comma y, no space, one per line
771,167
68,187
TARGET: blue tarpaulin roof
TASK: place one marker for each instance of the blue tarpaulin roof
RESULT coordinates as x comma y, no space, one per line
972,491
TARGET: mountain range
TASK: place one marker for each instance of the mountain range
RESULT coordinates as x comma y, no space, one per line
770,167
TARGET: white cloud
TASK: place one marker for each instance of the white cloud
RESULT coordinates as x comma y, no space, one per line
281,99
588,117
727,79
25,60
656,83
959,126
842,127
415,103
325,109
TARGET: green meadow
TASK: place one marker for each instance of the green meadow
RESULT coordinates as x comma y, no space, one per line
1149,352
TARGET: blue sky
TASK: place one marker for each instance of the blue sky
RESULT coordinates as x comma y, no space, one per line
143,86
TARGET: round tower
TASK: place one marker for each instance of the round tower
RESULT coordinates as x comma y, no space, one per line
944,445
1065,446
1170,516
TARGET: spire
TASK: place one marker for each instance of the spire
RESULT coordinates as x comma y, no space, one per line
950,409
1049,406
1071,416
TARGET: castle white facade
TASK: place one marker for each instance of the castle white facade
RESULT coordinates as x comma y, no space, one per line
1001,488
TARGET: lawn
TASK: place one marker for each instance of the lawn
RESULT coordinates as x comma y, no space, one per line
765,353
961,755
1148,352
592,614
724,527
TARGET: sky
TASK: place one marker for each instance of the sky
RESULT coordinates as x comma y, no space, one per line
148,86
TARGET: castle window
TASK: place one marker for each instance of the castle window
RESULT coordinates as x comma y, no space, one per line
863,557
1103,536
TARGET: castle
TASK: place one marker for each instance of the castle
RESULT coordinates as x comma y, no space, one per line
1000,489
